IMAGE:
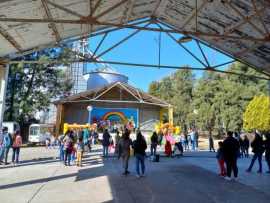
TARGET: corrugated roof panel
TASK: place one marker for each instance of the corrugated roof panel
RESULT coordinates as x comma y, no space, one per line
213,17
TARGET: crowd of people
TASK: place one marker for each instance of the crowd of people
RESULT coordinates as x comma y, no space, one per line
74,143
9,142
235,147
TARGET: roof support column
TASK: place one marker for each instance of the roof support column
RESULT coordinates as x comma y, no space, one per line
59,119
3,87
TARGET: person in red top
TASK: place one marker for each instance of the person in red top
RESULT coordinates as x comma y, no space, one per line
168,148
17,143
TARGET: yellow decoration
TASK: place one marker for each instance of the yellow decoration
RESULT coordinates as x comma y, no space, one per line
257,114
170,115
166,128
75,126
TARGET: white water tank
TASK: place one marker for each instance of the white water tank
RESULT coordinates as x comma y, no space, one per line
103,77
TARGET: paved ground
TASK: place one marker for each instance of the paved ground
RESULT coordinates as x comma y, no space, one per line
189,179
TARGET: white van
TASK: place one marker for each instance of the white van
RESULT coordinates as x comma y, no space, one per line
12,126
38,133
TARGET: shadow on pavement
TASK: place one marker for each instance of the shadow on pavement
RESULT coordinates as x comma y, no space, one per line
165,182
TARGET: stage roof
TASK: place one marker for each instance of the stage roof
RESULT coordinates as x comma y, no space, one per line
138,96
239,28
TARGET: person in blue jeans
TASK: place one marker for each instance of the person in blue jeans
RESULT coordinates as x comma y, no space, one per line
6,144
257,149
61,148
140,146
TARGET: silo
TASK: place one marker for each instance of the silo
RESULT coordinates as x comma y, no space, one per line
103,77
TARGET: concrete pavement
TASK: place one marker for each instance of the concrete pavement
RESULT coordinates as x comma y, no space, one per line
41,178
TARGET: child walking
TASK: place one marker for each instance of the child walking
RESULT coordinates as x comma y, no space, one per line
220,158
79,152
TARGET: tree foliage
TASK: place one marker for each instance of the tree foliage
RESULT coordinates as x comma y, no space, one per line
31,87
257,114
212,102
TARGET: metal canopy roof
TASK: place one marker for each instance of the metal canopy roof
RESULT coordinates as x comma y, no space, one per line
239,28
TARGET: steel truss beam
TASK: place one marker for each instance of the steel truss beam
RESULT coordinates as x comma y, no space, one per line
10,39
89,60
110,9
120,42
93,21
235,57
49,16
186,49
96,7
259,14
194,13
65,9
244,17
232,28
98,32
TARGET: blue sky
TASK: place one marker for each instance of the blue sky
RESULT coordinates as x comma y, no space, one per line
143,48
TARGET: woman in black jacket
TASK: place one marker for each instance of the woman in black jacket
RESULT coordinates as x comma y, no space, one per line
140,146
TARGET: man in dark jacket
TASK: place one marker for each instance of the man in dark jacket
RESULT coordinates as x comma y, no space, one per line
124,150
106,142
257,149
154,143
230,150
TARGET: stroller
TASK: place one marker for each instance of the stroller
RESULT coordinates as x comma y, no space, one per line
178,149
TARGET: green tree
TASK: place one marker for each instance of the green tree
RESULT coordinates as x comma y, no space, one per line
182,86
205,101
176,89
31,87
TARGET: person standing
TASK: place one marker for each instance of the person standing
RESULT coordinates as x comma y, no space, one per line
242,147
192,138
257,149
86,139
79,151
246,146
220,158
117,139
154,143
124,150
17,143
61,147
68,147
7,143
230,150
140,146
267,150
106,143
211,144
168,148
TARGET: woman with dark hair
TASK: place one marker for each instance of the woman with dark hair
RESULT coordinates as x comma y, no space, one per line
17,142
140,146
68,147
